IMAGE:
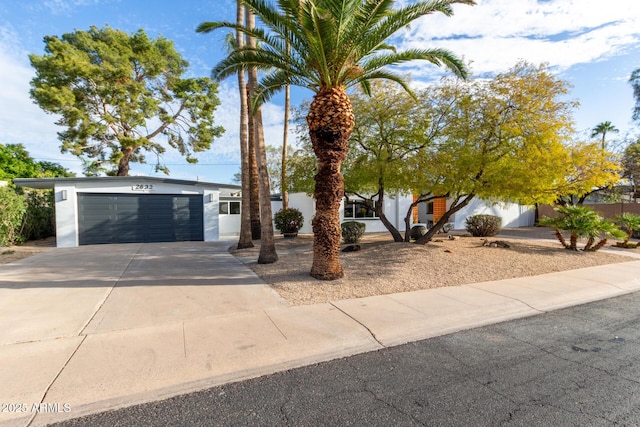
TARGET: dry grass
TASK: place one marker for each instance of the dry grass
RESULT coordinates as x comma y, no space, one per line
384,267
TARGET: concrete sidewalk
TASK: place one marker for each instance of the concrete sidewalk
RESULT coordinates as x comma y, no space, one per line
101,327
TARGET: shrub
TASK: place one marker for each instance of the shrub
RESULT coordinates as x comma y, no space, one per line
484,225
288,220
582,222
629,223
417,231
39,221
352,231
11,214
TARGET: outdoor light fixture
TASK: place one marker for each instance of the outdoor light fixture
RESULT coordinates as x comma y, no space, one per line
63,195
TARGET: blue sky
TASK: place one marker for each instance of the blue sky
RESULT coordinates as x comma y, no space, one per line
592,45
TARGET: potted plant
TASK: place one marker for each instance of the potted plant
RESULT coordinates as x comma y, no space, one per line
288,221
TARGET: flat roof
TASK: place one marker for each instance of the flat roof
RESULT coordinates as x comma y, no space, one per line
49,183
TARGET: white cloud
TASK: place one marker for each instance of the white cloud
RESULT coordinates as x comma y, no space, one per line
495,34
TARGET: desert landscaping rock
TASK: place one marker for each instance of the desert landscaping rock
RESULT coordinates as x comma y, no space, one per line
384,267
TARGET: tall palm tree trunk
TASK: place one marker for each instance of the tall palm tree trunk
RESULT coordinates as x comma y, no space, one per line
330,121
254,186
285,140
268,253
245,218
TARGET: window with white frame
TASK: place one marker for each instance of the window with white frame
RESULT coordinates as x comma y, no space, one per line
229,208
359,209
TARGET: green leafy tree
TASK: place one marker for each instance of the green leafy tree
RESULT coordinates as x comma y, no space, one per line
634,80
631,166
589,169
33,217
334,44
118,95
391,128
15,162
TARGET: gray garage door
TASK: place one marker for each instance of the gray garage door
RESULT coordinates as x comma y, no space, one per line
139,218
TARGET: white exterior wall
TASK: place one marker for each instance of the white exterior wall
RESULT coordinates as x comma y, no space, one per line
306,205
66,216
211,215
513,215
395,209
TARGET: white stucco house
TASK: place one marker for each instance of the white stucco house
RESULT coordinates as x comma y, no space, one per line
355,209
102,210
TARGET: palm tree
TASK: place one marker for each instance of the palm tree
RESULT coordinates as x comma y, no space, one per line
268,253
335,44
244,240
602,129
285,138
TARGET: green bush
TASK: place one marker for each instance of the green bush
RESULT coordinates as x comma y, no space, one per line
39,219
629,223
484,225
11,215
582,222
288,220
352,231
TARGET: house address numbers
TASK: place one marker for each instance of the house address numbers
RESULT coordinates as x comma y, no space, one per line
142,187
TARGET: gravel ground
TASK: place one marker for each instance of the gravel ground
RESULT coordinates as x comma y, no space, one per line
385,267
32,247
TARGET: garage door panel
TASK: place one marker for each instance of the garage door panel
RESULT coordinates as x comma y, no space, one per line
131,218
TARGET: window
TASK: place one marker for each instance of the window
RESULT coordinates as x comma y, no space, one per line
430,207
359,209
229,208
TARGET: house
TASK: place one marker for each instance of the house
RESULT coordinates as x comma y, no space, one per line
130,209
139,209
357,209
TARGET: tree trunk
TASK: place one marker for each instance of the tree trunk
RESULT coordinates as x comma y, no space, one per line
330,121
599,245
407,219
268,253
573,242
123,164
285,140
245,213
253,180
561,238
397,237
444,219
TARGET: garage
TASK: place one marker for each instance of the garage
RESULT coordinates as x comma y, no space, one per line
139,218
138,209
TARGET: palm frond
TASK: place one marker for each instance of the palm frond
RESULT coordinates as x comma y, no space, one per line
437,57
384,75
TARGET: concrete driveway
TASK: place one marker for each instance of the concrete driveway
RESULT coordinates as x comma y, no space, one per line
96,289
97,327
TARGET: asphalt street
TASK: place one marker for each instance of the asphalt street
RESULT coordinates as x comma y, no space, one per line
578,366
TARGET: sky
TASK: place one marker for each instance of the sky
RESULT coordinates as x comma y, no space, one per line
589,43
